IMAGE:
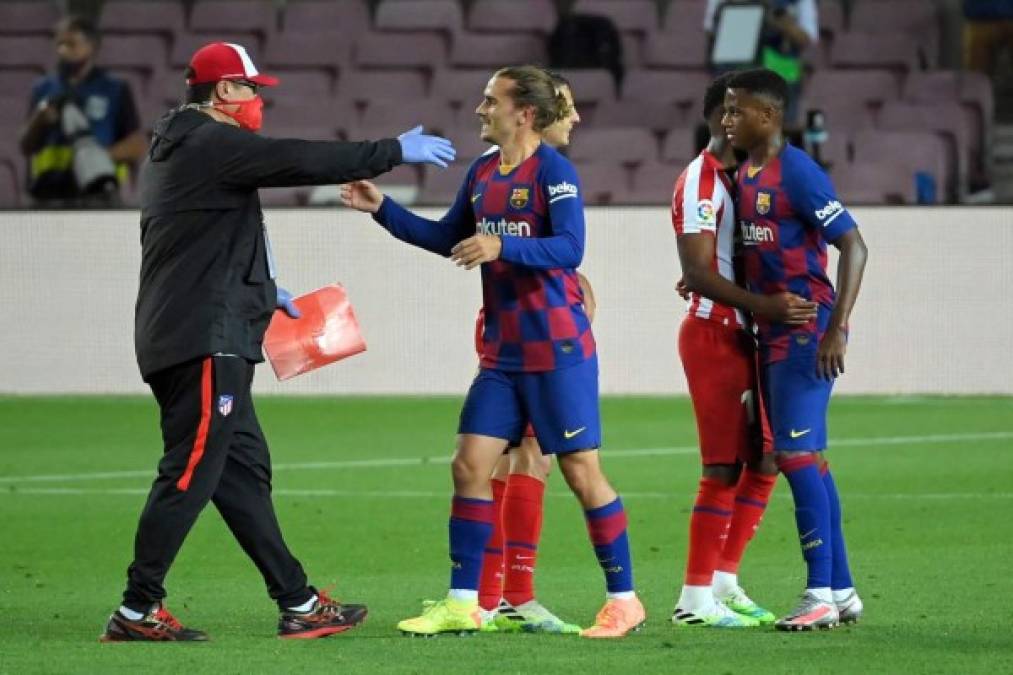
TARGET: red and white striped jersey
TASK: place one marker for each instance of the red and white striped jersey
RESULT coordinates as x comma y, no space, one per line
702,202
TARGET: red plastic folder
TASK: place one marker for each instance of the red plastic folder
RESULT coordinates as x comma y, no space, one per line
326,332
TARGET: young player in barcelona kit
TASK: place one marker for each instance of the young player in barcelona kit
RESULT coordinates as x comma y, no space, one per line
538,356
719,359
506,589
788,211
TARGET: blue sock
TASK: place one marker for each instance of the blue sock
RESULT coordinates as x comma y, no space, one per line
841,576
607,527
470,528
812,516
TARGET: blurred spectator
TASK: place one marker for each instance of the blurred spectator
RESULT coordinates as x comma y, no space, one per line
83,130
791,26
988,27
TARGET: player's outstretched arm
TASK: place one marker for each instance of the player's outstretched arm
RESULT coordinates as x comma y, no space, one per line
850,268
696,256
438,236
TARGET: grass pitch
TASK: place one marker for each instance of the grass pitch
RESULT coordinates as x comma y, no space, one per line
926,484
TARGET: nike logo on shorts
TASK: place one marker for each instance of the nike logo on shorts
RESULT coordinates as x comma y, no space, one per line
799,434
570,434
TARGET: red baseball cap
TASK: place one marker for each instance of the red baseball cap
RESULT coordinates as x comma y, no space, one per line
226,61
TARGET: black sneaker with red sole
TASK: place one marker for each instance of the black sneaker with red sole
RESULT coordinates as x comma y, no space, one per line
158,625
327,617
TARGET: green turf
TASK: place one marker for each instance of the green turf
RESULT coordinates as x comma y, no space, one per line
928,521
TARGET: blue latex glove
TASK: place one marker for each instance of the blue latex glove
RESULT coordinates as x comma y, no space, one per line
284,302
419,148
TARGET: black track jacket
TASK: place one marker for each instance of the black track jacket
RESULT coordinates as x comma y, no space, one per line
204,286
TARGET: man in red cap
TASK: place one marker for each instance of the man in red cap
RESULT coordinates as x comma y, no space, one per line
207,292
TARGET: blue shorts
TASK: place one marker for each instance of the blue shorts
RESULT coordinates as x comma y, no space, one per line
562,406
797,399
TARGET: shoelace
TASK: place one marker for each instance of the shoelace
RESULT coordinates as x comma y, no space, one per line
168,619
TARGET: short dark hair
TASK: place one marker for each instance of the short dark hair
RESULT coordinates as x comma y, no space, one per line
762,82
197,93
715,94
80,24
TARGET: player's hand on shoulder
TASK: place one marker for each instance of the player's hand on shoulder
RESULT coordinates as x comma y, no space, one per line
473,251
788,308
361,196
830,357
682,289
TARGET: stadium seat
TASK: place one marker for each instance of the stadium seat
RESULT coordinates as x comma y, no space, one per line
146,54
18,82
10,190
684,89
158,17
867,90
302,131
325,51
314,86
658,116
13,109
422,51
386,118
907,151
602,181
682,47
972,89
472,50
33,53
509,16
461,87
945,119
293,114
831,18
684,13
419,15
679,146
591,86
866,183
405,174
913,18
638,16
628,145
234,16
363,86
654,182
874,50
187,43
139,83
28,17
836,150
440,186
347,17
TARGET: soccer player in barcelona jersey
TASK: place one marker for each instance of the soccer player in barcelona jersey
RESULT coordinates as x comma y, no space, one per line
506,589
719,359
788,212
519,216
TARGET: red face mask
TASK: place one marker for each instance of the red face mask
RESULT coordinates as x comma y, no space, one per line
249,113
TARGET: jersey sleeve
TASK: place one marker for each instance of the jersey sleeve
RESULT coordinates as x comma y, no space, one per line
693,207
565,248
438,236
814,199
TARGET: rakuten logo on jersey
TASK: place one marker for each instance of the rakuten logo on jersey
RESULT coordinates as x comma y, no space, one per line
833,209
563,188
503,228
753,234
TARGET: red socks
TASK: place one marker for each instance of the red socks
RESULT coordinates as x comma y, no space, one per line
751,497
707,527
522,528
490,584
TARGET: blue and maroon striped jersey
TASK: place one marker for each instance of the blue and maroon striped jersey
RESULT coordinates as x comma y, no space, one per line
533,304
788,211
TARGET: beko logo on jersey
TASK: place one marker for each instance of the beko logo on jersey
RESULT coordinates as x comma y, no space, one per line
753,234
563,188
833,209
503,228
